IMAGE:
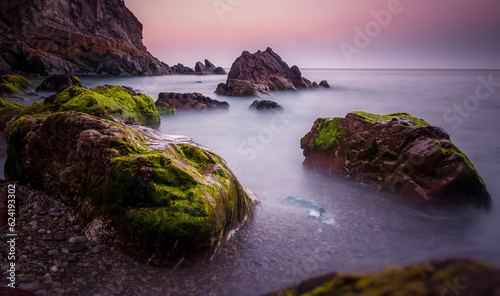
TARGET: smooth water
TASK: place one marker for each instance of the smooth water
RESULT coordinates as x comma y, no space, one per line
281,246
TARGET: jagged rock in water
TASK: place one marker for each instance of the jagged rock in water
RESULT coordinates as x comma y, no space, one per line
83,37
260,73
265,105
189,101
398,154
58,83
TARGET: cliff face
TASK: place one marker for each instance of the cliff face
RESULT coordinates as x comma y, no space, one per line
85,37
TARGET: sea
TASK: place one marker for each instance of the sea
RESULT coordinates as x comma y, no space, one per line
362,231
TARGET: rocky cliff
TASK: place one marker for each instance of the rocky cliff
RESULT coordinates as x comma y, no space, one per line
86,37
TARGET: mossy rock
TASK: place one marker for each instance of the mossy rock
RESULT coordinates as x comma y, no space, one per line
120,104
462,277
8,110
14,84
176,201
398,154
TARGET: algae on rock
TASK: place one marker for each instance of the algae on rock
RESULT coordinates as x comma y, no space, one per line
14,84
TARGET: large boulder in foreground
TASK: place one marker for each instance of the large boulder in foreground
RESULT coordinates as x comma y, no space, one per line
58,83
260,73
447,277
396,153
118,103
168,198
188,101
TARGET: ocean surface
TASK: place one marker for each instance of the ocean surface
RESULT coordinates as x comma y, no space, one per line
367,232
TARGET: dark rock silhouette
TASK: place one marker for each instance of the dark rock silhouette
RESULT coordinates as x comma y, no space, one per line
84,37
260,73
181,69
59,82
265,105
189,101
397,153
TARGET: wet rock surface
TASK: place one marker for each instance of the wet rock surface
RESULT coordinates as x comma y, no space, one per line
265,105
260,73
188,101
397,153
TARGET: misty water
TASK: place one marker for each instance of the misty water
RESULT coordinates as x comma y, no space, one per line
280,245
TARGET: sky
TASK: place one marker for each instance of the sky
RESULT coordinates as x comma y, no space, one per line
432,34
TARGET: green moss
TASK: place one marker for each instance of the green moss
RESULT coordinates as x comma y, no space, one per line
374,118
165,109
13,84
200,158
329,132
8,104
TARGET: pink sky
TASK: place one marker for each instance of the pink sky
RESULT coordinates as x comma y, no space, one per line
420,34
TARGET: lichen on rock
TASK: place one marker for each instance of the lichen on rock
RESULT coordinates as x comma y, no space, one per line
14,84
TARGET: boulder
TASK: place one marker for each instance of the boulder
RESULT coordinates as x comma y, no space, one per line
398,154
447,277
324,84
170,199
200,69
14,84
58,83
188,101
259,73
181,69
118,103
265,105
79,37
220,71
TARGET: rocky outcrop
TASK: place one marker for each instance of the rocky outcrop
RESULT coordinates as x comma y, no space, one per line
58,83
169,199
8,110
265,105
324,84
118,103
14,84
84,37
181,69
189,101
397,153
260,73
454,276
208,68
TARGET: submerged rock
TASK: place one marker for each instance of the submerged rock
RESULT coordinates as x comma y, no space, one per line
396,153
447,277
265,105
315,211
118,103
169,198
58,83
260,73
188,101
14,84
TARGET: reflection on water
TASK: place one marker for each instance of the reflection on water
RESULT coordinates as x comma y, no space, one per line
281,245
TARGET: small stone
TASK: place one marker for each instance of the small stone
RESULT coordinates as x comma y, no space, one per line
41,230
73,258
77,248
33,224
65,251
53,252
54,268
47,237
42,213
56,214
77,239
59,236
67,280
